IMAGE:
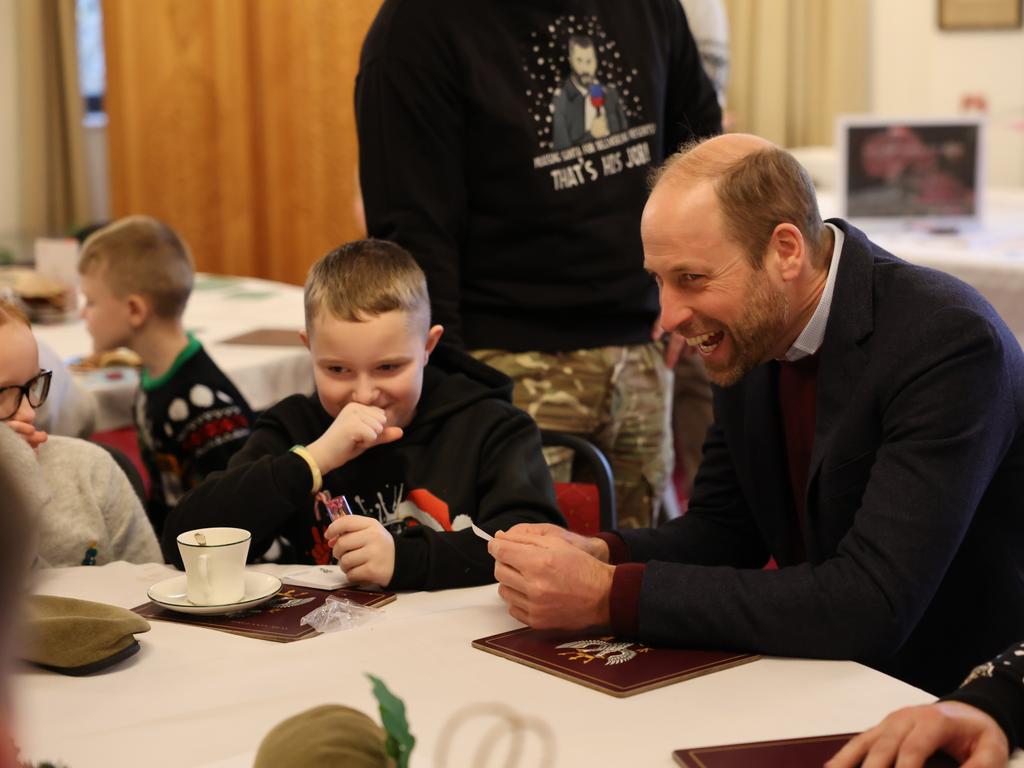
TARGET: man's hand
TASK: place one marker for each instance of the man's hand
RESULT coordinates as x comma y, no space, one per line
548,582
356,428
599,128
907,737
592,545
364,549
34,437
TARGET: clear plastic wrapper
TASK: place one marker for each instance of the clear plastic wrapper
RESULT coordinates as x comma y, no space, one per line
337,614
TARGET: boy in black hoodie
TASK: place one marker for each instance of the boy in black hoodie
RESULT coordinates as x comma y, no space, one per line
419,451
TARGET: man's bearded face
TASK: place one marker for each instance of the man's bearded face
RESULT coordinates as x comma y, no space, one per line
584,64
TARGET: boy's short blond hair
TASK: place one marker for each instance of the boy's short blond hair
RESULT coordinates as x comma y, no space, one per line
140,254
366,278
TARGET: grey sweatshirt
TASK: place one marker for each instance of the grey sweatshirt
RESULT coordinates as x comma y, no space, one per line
82,497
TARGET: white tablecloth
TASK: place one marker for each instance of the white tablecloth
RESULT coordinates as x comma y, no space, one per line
990,258
195,696
220,308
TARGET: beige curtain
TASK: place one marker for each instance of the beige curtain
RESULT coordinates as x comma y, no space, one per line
796,64
54,191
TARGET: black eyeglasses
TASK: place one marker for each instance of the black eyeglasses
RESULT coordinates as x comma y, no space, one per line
35,389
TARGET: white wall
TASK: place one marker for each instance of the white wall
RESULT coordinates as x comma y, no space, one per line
9,172
919,70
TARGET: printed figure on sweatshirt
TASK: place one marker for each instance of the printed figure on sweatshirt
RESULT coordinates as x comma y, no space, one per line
585,109
190,418
418,450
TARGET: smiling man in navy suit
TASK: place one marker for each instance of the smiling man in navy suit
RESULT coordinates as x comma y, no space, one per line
867,435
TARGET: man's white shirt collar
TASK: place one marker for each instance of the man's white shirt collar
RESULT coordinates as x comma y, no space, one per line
811,337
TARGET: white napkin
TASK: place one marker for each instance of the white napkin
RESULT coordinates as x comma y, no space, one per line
317,577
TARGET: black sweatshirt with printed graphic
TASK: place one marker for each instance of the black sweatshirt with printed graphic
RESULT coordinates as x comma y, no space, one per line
467,452
517,186
997,688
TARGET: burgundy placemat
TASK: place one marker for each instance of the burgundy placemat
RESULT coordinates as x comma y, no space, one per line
277,620
267,337
617,667
809,752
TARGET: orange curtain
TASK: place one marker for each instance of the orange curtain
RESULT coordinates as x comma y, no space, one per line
232,120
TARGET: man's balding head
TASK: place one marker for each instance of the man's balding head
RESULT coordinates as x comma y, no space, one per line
758,186
709,158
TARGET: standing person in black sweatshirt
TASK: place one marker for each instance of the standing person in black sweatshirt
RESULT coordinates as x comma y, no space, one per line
507,146
419,451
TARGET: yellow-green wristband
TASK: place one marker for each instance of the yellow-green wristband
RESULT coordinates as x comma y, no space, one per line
314,468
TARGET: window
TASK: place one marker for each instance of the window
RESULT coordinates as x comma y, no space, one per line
92,68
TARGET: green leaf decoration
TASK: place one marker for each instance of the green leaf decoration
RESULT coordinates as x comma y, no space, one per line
400,741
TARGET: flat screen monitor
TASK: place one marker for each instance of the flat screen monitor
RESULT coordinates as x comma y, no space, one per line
925,173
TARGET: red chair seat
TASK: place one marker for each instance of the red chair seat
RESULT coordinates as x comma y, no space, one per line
580,503
127,442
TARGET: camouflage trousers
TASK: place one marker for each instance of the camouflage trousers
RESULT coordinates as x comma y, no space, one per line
617,397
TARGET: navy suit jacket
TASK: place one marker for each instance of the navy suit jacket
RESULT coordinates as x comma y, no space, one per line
914,524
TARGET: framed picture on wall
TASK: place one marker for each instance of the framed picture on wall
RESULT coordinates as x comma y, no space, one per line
983,14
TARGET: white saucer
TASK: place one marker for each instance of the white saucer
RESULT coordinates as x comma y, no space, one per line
170,594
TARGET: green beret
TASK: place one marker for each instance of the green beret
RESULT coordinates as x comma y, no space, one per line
329,735
78,637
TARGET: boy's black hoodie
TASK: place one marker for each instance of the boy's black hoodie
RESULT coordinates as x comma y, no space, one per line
468,451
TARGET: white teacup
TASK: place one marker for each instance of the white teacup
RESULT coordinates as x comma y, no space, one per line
215,568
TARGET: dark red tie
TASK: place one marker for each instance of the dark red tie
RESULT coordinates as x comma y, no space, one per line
797,389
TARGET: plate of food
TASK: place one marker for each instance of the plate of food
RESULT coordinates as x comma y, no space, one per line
122,357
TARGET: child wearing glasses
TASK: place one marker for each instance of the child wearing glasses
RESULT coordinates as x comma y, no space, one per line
91,514
136,276
420,451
